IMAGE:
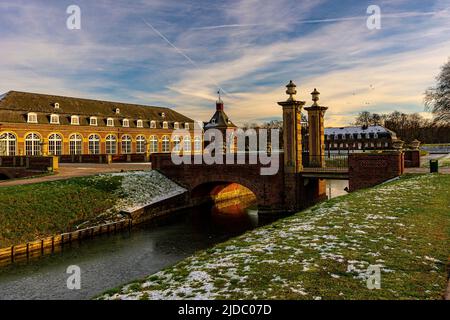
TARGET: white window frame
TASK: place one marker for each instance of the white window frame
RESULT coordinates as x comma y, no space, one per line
75,120
33,146
141,143
75,144
126,144
53,117
165,144
165,125
8,144
32,117
94,144
198,144
125,123
186,126
111,144
187,144
139,124
176,125
93,121
153,124
55,142
153,144
110,122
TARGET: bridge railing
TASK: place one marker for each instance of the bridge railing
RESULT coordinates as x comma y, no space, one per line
325,163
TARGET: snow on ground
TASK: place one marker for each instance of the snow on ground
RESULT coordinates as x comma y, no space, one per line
143,188
340,240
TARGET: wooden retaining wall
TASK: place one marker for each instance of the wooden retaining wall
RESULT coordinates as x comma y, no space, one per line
54,244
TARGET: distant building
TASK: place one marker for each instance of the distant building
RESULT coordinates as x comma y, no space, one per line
34,124
221,122
358,138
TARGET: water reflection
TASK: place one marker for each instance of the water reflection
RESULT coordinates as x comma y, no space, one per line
109,261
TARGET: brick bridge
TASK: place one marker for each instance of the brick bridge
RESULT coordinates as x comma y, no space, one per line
300,179
282,192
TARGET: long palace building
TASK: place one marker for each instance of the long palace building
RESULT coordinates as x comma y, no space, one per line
35,124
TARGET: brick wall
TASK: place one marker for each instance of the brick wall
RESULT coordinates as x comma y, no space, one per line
367,170
412,159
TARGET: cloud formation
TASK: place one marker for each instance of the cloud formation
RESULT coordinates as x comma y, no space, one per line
249,48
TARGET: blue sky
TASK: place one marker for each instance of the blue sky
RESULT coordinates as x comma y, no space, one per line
249,48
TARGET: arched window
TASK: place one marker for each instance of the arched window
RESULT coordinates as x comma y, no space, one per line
140,144
176,143
197,144
153,144
94,144
54,144
126,144
165,146
75,144
111,144
33,144
8,144
187,144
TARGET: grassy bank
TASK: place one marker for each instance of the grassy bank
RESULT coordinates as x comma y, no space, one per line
323,253
30,212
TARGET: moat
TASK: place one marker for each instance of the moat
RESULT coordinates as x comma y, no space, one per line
113,260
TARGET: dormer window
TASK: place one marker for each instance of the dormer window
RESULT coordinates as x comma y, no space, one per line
125,123
186,126
54,119
56,105
93,121
110,122
359,136
117,111
75,120
163,115
152,124
213,121
375,135
140,124
32,118
165,125
176,126
367,135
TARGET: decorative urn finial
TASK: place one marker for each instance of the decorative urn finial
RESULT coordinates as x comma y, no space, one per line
291,91
315,96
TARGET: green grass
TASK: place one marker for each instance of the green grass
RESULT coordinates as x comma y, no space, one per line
324,252
444,162
29,212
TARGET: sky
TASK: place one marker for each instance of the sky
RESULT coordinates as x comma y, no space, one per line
180,53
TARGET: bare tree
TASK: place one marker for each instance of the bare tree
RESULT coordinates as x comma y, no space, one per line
437,99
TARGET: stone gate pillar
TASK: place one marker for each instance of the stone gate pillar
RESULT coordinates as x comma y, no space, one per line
292,133
316,130
292,146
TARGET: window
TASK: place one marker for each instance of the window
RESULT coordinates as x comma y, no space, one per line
197,144
117,111
94,144
32,118
187,144
56,105
165,144
93,121
140,144
176,141
126,144
111,144
140,124
165,125
110,122
367,135
213,121
163,115
176,126
75,144
126,123
153,144
75,120
54,144
8,144
375,135
152,124
328,137
359,136
54,119
33,144
186,126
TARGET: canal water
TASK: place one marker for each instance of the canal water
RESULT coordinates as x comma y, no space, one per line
110,261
